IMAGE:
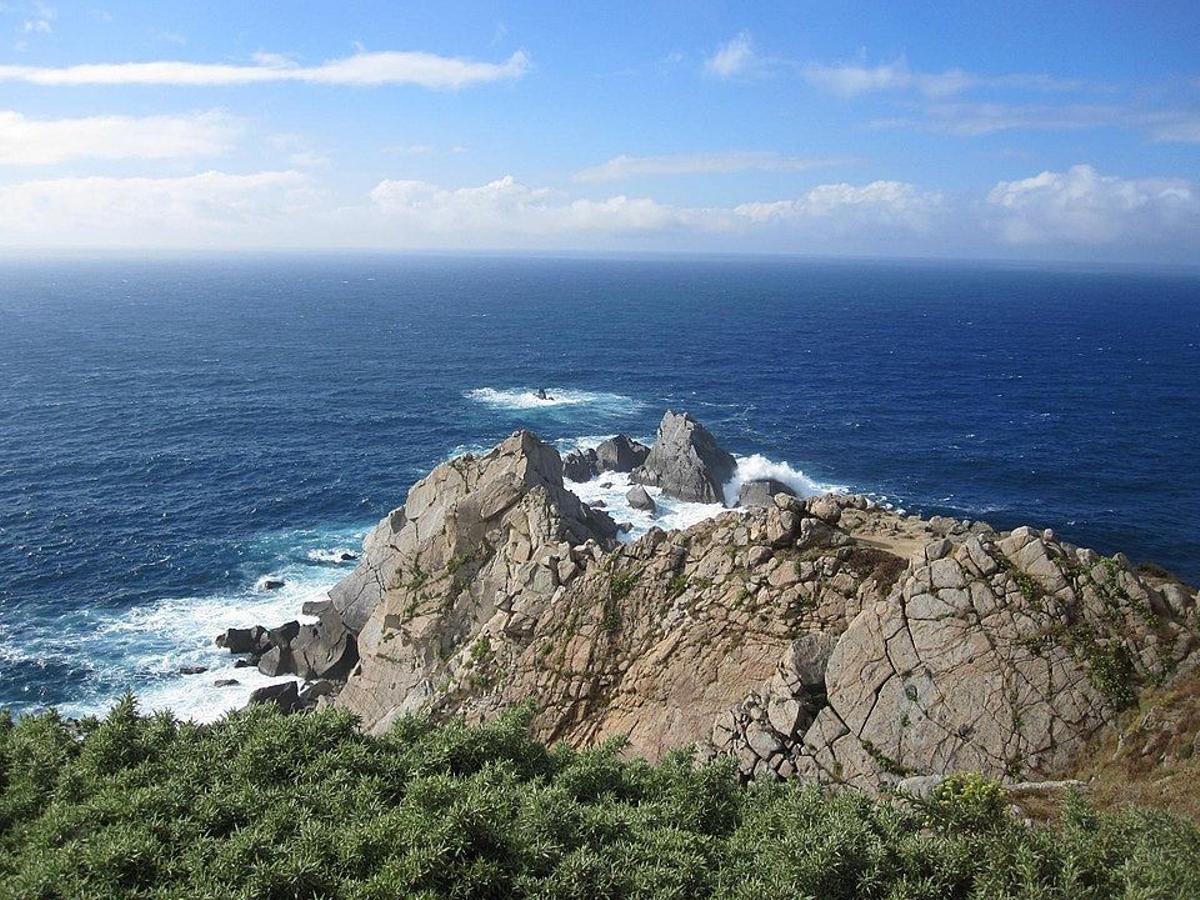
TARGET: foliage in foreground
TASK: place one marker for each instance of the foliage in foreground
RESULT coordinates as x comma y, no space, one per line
262,805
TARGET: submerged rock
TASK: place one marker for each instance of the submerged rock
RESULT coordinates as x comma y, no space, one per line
686,461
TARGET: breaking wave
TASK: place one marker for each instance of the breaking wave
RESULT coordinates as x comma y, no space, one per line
530,398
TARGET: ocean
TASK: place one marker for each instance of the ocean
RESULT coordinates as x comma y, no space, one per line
174,431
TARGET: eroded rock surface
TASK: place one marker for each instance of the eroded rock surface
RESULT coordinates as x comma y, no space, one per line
821,638
686,461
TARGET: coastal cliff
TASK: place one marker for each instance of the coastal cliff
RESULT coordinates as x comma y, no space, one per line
822,638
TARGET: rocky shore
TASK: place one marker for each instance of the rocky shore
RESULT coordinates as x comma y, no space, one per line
820,638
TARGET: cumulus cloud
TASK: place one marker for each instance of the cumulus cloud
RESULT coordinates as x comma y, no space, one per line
848,207
388,67
505,208
851,79
1081,206
36,142
624,166
139,211
732,58
508,207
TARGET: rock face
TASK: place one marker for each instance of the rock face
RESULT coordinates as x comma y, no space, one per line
686,461
621,454
823,639
760,492
477,537
617,454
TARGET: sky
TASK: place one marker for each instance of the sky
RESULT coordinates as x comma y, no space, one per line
1025,131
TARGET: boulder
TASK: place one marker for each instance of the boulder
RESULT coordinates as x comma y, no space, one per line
620,454
639,498
686,461
192,670
276,661
326,649
313,692
243,640
580,465
226,682
761,492
286,696
270,583
283,635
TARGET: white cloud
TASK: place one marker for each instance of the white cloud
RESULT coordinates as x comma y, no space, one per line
135,212
624,166
389,67
1081,206
851,80
35,142
847,207
732,58
506,207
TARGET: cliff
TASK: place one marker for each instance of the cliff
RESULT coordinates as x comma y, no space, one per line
820,638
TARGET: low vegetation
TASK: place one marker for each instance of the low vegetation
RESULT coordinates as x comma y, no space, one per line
262,805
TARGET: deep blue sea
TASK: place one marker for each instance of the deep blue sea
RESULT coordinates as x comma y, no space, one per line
172,431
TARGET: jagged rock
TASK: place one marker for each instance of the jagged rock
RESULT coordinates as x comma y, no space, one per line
192,670
479,536
283,635
638,498
315,607
580,465
270,583
226,682
620,454
286,696
326,649
762,492
311,693
824,639
276,661
243,640
686,461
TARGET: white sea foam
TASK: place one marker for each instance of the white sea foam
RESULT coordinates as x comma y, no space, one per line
610,489
335,555
147,646
528,398
757,467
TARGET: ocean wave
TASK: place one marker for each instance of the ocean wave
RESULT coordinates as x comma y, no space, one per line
529,398
336,555
757,467
609,489
152,649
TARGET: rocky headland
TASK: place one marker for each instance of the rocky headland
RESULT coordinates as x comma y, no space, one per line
821,638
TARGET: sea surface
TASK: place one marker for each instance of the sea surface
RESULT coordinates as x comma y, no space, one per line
174,431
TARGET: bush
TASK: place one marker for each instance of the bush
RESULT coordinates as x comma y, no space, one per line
262,805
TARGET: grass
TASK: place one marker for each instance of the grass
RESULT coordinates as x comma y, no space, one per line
265,806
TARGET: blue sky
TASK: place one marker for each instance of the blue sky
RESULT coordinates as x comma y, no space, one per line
1016,130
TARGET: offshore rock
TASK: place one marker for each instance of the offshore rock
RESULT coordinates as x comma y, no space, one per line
686,461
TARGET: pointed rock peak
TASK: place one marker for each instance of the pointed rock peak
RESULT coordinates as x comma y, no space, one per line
686,461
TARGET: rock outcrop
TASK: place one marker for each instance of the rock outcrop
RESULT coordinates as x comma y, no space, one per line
760,492
686,462
617,454
479,536
823,638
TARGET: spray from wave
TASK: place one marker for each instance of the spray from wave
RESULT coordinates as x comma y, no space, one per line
528,398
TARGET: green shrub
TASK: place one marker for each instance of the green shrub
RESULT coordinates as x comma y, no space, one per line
261,805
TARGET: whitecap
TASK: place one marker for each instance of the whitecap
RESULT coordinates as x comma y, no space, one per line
757,467
530,398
